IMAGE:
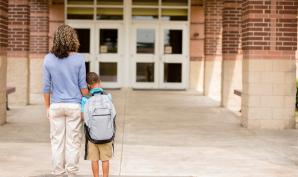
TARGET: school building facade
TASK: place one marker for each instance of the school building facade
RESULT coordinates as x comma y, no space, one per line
212,46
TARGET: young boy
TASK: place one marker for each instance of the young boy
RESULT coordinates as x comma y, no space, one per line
96,152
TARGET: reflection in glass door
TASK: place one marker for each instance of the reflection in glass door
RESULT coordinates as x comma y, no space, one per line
109,54
144,56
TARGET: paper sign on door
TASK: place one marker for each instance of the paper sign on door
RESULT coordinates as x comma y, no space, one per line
168,49
103,49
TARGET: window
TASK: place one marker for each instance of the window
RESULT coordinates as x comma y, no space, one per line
169,10
145,13
145,2
84,38
108,71
108,41
145,41
145,72
110,2
172,72
109,14
174,14
76,13
94,9
172,41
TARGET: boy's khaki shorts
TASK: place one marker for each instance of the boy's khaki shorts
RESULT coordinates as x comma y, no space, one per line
96,152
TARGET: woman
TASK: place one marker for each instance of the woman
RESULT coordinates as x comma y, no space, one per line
64,84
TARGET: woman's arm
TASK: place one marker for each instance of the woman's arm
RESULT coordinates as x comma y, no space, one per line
82,79
46,89
46,97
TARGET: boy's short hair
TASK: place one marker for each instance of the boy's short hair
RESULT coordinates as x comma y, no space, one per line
92,78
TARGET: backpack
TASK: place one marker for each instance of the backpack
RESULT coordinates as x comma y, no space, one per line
99,119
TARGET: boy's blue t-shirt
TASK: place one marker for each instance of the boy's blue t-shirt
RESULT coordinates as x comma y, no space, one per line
92,91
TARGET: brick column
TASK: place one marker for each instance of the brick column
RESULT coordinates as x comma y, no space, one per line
39,41
18,47
56,18
3,59
232,54
297,49
213,48
197,46
269,43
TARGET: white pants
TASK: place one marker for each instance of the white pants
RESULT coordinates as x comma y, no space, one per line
66,137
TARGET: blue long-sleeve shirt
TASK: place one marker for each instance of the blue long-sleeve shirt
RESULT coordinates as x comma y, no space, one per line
64,78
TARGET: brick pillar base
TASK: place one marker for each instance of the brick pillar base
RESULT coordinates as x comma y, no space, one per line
18,76
269,91
3,64
212,77
3,58
232,80
35,67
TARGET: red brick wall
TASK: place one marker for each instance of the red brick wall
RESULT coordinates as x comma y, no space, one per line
56,18
39,26
18,27
286,25
231,27
3,25
269,25
197,21
213,27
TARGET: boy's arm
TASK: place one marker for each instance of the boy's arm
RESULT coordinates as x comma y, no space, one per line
83,102
86,112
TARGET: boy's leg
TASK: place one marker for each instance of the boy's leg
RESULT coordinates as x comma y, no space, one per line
95,168
105,168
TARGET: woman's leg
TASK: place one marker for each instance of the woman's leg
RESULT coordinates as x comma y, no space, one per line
73,138
57,135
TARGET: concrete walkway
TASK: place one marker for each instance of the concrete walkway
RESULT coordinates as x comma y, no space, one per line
160,133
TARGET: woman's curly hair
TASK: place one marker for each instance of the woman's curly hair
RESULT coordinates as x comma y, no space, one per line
65,41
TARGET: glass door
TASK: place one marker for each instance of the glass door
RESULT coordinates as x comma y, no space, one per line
159,58
109,54
144,55
85,33
173,58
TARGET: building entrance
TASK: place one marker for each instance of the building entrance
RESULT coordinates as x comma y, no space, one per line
139,44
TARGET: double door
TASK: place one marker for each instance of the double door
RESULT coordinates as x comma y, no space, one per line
159,56
155,56
102,47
